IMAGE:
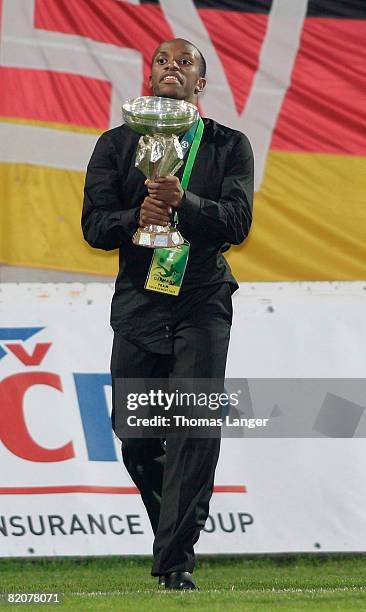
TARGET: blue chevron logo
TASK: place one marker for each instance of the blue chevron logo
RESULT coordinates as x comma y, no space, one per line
16,333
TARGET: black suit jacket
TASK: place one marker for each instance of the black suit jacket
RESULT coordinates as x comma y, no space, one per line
216,211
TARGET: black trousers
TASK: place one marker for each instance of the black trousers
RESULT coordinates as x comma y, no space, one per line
175,476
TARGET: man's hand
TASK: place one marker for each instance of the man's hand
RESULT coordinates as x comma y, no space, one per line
154,212
167,190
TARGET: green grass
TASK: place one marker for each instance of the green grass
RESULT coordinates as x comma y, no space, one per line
226,584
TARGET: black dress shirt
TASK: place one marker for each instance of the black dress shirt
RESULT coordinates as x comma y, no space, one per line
216,211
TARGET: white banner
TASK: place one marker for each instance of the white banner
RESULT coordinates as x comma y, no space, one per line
64,489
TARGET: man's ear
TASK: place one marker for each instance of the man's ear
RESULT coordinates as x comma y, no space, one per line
150,81
201,83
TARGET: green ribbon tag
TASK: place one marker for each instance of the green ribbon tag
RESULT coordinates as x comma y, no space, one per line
167,269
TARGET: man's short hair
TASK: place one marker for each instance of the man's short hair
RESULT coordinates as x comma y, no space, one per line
203,66
202,62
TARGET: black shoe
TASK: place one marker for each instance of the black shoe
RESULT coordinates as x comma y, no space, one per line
180,580
161,581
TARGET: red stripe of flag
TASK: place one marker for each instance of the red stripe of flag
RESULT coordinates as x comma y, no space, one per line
325,108
43,95
99,489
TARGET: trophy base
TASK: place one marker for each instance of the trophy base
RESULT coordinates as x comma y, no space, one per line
155,236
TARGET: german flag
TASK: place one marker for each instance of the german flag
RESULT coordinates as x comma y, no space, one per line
290,73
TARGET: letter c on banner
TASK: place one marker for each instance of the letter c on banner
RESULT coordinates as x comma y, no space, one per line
13,428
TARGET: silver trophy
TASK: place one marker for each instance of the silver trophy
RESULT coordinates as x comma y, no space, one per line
159,152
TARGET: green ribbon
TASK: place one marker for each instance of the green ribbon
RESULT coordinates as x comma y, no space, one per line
191,158
192,154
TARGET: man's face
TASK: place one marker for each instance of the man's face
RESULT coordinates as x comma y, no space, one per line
175,71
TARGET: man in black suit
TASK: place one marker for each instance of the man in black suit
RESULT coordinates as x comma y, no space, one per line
164,336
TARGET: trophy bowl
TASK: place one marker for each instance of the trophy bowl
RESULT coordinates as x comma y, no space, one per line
156,115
